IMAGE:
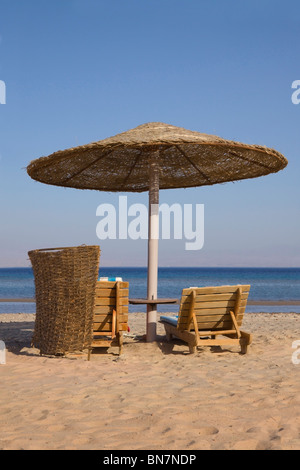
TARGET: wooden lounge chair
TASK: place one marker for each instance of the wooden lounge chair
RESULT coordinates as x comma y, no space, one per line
110,315
210,316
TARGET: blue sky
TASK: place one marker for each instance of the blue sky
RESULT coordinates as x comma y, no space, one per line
78,71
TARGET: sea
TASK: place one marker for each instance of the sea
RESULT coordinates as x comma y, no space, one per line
272,289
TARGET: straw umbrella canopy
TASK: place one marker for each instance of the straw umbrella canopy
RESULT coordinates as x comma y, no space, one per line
150,157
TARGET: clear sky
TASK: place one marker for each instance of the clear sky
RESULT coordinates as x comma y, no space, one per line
78,71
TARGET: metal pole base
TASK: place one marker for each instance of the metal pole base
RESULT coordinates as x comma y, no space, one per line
153,244
151,323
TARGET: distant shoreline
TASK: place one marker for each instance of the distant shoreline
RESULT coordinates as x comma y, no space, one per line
250,302
103,268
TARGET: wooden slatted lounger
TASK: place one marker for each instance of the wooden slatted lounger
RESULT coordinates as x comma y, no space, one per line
110,315
210,316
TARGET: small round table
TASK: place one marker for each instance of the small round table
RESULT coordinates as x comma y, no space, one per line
152,303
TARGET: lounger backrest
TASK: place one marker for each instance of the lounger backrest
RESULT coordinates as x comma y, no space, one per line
110,296
212,306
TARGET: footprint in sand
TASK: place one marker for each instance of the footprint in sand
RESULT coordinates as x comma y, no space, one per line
45,413
207,431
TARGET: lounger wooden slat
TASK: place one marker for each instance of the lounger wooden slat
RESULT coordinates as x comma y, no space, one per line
107,318
111,292
109,309
214,312
109,285
102,301
110,314
214,290
213,315
107,327
218,326
216,320
203,306
199,306
217,297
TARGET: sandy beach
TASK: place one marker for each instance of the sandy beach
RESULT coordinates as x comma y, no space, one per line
156,396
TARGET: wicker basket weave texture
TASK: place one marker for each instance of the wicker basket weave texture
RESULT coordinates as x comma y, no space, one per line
65,282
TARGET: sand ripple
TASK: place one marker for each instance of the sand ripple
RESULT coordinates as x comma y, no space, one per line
155,397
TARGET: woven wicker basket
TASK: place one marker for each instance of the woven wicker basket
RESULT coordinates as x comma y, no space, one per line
65,282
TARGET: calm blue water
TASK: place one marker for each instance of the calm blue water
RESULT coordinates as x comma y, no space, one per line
266,284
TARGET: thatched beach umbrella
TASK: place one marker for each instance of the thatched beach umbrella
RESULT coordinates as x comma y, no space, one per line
150,157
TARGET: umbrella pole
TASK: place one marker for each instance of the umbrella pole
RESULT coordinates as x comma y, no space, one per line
153,236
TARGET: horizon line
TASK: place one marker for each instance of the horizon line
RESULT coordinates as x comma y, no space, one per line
175,267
